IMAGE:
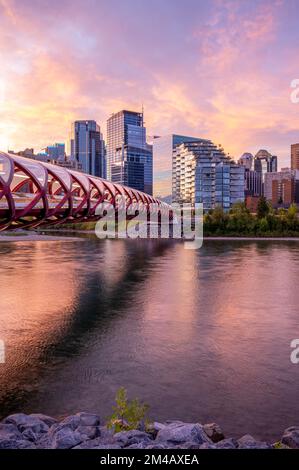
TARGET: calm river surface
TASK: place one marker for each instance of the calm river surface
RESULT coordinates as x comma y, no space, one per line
199,335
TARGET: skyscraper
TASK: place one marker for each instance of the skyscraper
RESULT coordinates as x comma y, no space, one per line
88,147
129,157
163,148
265,162
295,156
253,178
203,173
246,160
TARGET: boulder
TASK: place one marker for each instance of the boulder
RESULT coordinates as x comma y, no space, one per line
165,445
214,432
127,438
72,431
48,420
108,446
89,444
24,422
227,444
81,419
290,437
193,445
16,444
9,431
88,432
178,432
249,442
65,438
156,426
206,445
30,435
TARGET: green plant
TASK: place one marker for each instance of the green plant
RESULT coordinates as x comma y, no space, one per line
127,414
263,207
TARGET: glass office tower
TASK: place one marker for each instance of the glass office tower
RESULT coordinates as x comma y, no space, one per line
88,147
129,157
264,163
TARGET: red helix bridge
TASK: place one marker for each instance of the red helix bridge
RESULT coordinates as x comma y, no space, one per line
35,193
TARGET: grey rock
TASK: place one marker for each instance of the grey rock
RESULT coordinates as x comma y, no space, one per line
206,445
30,435
65,438
80,419
105,433
16,444
227,444
290,437
140,445
23,422
178,432
88,432
48,420
72,431
127,438
9,431
97,443
193,445
214,432
158,426
249,442
165,445
108,446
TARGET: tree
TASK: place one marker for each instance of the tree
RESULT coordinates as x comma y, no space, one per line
263,207
127,414
292,212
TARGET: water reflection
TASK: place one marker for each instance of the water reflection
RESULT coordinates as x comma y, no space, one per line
200,335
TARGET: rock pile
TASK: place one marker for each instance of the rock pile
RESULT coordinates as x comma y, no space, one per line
85,431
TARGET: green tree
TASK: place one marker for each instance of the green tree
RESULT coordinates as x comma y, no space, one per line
263,225
127,414
292,212
263,207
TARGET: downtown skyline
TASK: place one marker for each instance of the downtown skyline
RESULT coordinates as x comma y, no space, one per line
200,69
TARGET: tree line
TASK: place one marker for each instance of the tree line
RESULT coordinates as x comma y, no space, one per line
240,221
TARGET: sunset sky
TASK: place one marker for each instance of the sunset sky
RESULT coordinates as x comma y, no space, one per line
219,69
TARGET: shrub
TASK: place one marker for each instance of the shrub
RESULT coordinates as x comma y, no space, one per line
127,414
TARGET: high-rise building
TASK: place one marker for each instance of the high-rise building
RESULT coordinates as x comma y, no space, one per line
282,187
246,160
295,156
88,147
253,183
56,151
253,178
203,173
264,162
163,148
129,157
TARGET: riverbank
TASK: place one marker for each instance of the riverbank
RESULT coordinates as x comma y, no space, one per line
33,236
87,431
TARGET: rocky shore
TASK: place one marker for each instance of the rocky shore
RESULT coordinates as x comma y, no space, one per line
86,431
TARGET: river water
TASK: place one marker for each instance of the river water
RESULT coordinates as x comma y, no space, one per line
200,335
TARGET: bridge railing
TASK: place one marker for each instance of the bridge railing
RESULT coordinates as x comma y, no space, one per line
34,193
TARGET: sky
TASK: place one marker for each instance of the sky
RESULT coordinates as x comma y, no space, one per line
217,69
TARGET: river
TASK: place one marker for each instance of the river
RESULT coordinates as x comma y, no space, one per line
200,335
